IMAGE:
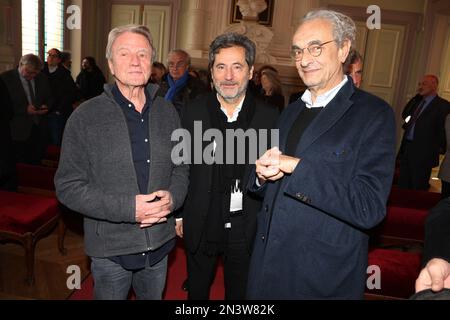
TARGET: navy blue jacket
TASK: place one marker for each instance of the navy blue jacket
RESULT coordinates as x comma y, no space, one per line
310,241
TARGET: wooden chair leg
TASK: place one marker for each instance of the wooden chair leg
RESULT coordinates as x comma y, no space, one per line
61,235
30,246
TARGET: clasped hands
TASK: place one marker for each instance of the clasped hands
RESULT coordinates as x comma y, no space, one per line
32,110
151,210
273,165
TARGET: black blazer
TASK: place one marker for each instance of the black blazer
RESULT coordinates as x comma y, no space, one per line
22,122
197,203
429,131
6,113
437,233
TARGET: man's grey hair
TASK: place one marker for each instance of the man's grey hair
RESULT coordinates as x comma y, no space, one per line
232,39
186,56
31,60
133,28
343,26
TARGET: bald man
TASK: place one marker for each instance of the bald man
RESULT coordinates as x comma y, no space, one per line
424,135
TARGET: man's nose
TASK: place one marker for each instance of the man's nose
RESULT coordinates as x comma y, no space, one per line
229,74
306,59
135,59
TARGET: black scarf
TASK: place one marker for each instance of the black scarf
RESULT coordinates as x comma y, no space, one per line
225,176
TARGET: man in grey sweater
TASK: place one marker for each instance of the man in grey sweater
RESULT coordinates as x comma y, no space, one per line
116,170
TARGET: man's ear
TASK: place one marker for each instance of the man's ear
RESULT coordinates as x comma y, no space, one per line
344,50
111,66
251,72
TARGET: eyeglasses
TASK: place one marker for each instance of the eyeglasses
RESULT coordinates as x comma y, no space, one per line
314,50
53,55
179,65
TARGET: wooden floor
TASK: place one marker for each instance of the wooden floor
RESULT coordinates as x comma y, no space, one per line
50,268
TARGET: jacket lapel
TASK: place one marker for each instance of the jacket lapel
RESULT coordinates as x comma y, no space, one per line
431,107
249,102
327,117
288,123
23,100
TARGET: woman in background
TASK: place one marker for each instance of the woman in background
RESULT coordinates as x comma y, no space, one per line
271,87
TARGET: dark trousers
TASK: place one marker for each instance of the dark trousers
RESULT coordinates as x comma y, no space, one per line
112,282
414,173
32,150
56,124
202,267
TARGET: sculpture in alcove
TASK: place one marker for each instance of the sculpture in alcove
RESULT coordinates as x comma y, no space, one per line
250,9
260,35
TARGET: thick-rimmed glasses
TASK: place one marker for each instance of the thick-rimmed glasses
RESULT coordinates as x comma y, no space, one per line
314,50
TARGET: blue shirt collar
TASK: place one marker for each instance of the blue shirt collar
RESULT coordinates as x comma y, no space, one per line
127,104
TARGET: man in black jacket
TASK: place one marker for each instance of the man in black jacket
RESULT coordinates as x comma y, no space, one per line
424,135
436,252
219,216
31,99
65,94
7,163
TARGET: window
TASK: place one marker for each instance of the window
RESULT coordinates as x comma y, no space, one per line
52,20
30,35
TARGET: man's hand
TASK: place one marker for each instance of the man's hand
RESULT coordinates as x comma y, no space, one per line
32,110
288,164
151,210
267,166
273,165
179,227
435,276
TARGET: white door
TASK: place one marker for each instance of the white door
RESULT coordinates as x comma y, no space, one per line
156,17
382,56
124,14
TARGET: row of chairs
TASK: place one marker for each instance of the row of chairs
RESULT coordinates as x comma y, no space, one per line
397,243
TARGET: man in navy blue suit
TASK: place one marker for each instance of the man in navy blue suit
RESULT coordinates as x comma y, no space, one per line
330,178
424,136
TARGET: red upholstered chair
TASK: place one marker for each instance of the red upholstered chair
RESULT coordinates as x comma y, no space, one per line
416,199
35,179
402,227
398,273
26,218
38,180
405,218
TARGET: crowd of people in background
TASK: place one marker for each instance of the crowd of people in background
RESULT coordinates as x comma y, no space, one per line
38,98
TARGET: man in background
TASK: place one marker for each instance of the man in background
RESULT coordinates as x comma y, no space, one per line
31,96
178,86
64,92
424,135
353,67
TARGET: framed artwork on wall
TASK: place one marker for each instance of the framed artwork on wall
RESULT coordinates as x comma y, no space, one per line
264,18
